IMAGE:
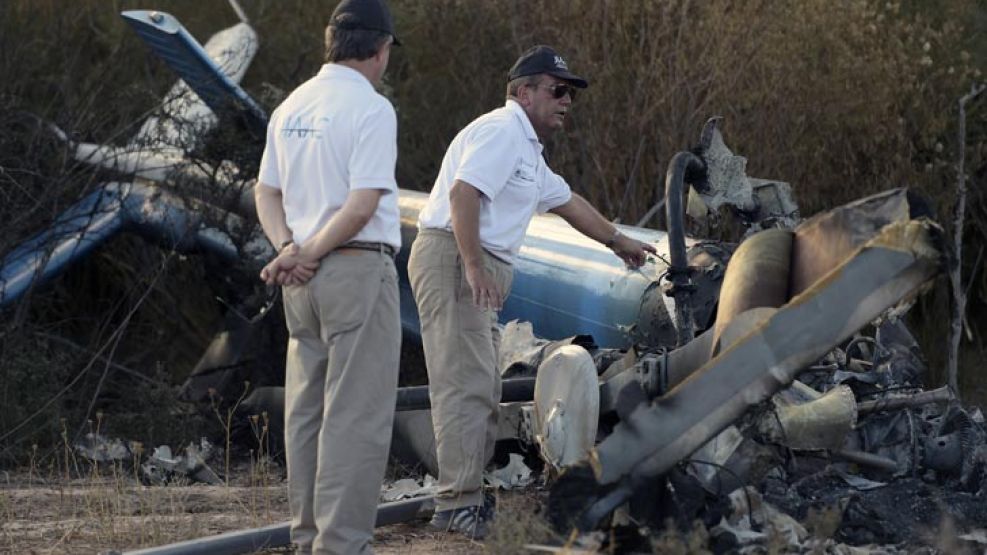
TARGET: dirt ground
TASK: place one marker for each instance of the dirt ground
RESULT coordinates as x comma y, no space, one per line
112,513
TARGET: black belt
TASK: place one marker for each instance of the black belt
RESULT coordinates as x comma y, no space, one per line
382,248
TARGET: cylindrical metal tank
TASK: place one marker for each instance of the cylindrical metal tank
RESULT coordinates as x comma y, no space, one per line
566,283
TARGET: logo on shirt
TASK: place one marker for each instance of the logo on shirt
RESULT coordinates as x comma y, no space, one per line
560,63
303,128
525,173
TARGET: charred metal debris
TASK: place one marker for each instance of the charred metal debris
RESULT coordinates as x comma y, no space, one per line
749,388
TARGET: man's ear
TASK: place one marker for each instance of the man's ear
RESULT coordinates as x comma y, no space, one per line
524,95
379,56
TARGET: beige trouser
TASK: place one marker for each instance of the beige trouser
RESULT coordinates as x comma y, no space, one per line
340,389
460,343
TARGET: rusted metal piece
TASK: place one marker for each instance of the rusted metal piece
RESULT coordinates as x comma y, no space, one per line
866,459
939,396
821,423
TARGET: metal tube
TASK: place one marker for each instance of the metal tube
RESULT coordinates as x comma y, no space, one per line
866,459
676,189
563,282
941,395
513,390
277,535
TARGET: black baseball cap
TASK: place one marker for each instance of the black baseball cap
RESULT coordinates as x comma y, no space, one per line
544,59
371,15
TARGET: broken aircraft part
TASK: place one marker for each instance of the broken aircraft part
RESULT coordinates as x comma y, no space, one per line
115,207
821,423
833,275
566,406
196,65
886,259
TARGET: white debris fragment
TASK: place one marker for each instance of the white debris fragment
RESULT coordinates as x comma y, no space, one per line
514,475
518,344
407,488
859,482
741,531
162,455
768,518
976,536
97,448
714,453
977,416
163,465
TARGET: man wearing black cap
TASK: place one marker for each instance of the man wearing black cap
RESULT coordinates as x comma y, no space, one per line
327,198
492,180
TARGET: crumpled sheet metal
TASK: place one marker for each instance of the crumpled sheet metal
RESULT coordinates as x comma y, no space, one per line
162,466
822,423
825,240
880,273
727,181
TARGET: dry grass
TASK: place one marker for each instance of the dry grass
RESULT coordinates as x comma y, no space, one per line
839,99
520,522
73,505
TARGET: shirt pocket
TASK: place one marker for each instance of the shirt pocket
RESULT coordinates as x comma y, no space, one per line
522,191
525,174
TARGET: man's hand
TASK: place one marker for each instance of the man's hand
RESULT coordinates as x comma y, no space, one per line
289,268
631,251
486,295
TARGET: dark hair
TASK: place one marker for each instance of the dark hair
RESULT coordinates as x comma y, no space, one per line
352,44
514,85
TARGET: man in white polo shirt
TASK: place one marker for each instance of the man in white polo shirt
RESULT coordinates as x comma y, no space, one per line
327,198
492,181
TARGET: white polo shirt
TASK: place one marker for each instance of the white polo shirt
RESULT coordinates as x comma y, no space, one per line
333,134
499,154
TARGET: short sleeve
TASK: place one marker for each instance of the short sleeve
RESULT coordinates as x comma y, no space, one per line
489,157
554,193
269,173
375,152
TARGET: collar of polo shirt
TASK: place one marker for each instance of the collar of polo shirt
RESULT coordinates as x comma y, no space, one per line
339,71
529,130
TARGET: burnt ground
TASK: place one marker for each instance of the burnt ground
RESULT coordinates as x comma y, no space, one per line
907,510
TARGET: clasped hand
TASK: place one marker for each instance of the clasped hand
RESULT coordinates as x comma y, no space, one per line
289,268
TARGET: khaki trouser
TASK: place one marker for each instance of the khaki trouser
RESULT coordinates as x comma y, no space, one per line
460,343
340,389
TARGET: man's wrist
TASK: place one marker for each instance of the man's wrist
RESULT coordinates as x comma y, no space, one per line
609,243
285,244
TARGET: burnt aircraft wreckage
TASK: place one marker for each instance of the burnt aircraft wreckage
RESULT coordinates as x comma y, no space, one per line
746,386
